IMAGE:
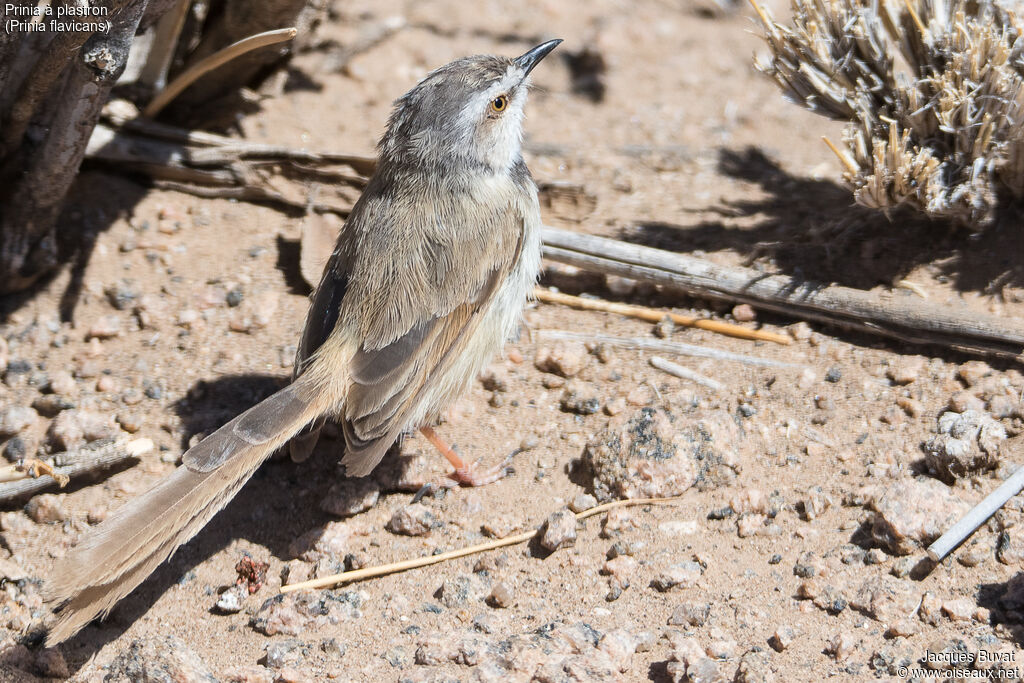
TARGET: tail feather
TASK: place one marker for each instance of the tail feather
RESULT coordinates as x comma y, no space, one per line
120,553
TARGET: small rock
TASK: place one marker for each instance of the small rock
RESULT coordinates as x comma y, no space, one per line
47,508
106,327
559,530
754,668
973,371
96,515
565,359
904,628
664,328
782,638
690,614
906,369
573,402
744,313
914,512
930,611
49,405
495,378
282,653
682,575
106,384
842,645
63,384
615,406
964,401
1009,548
646,456
834,374
910,406
159,658
800,331
967,442
459,590
130,422
413,520
351,496
230,601
252,673
72,428
14,419
581,502
815,504
501,595
959,609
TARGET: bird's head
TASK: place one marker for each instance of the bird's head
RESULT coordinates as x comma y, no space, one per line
466,113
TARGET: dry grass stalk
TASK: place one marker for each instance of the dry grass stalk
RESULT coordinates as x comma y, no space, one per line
933,93
405,565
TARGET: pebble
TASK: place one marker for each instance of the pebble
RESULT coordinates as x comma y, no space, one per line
350,497
105,327
158,658
583,501
800,331
963,401
580,404
72,428
565,359
96,515
462,589
782,638
249,673
914,512
645,455
904,628
842,645
47,508
621,568
910,406
682,575
130,422
690,614
501,595
413,520
1009,548
615,406
15,418
63,384
973,371
906,369
754,668
254,313
930,610
807,379
559,530
49,405
744,313
282,653
495,378
815,503
967,442
231,600
959,609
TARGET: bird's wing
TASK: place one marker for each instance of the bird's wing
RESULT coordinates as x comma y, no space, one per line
419,308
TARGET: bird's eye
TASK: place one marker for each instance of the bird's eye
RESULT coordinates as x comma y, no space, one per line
499,103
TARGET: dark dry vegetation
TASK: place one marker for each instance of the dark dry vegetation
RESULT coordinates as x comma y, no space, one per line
807,491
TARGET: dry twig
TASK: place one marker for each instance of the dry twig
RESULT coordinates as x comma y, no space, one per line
654,315
217,59
395,567
976,516
685,373
99,455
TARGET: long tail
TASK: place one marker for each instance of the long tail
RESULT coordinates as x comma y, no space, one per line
121,552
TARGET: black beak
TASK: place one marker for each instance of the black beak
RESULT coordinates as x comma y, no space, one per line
532,58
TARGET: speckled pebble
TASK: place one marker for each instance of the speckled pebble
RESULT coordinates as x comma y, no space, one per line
559,530
413,520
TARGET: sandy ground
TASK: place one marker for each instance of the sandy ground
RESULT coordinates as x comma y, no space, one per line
689,149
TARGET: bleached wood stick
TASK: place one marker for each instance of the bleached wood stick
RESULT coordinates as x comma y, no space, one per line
679,371
664,346
976,516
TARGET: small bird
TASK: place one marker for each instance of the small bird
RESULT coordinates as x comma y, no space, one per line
429,277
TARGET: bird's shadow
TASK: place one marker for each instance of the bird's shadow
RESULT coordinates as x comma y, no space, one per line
271,511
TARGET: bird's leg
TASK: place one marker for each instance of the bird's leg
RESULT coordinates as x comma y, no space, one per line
465,473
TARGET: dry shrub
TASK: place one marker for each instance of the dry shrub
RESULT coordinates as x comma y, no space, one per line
932,93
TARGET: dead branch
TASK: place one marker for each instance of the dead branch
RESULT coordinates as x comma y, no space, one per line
914,322
99,455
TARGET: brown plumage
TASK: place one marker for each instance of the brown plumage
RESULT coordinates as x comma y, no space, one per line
429,277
